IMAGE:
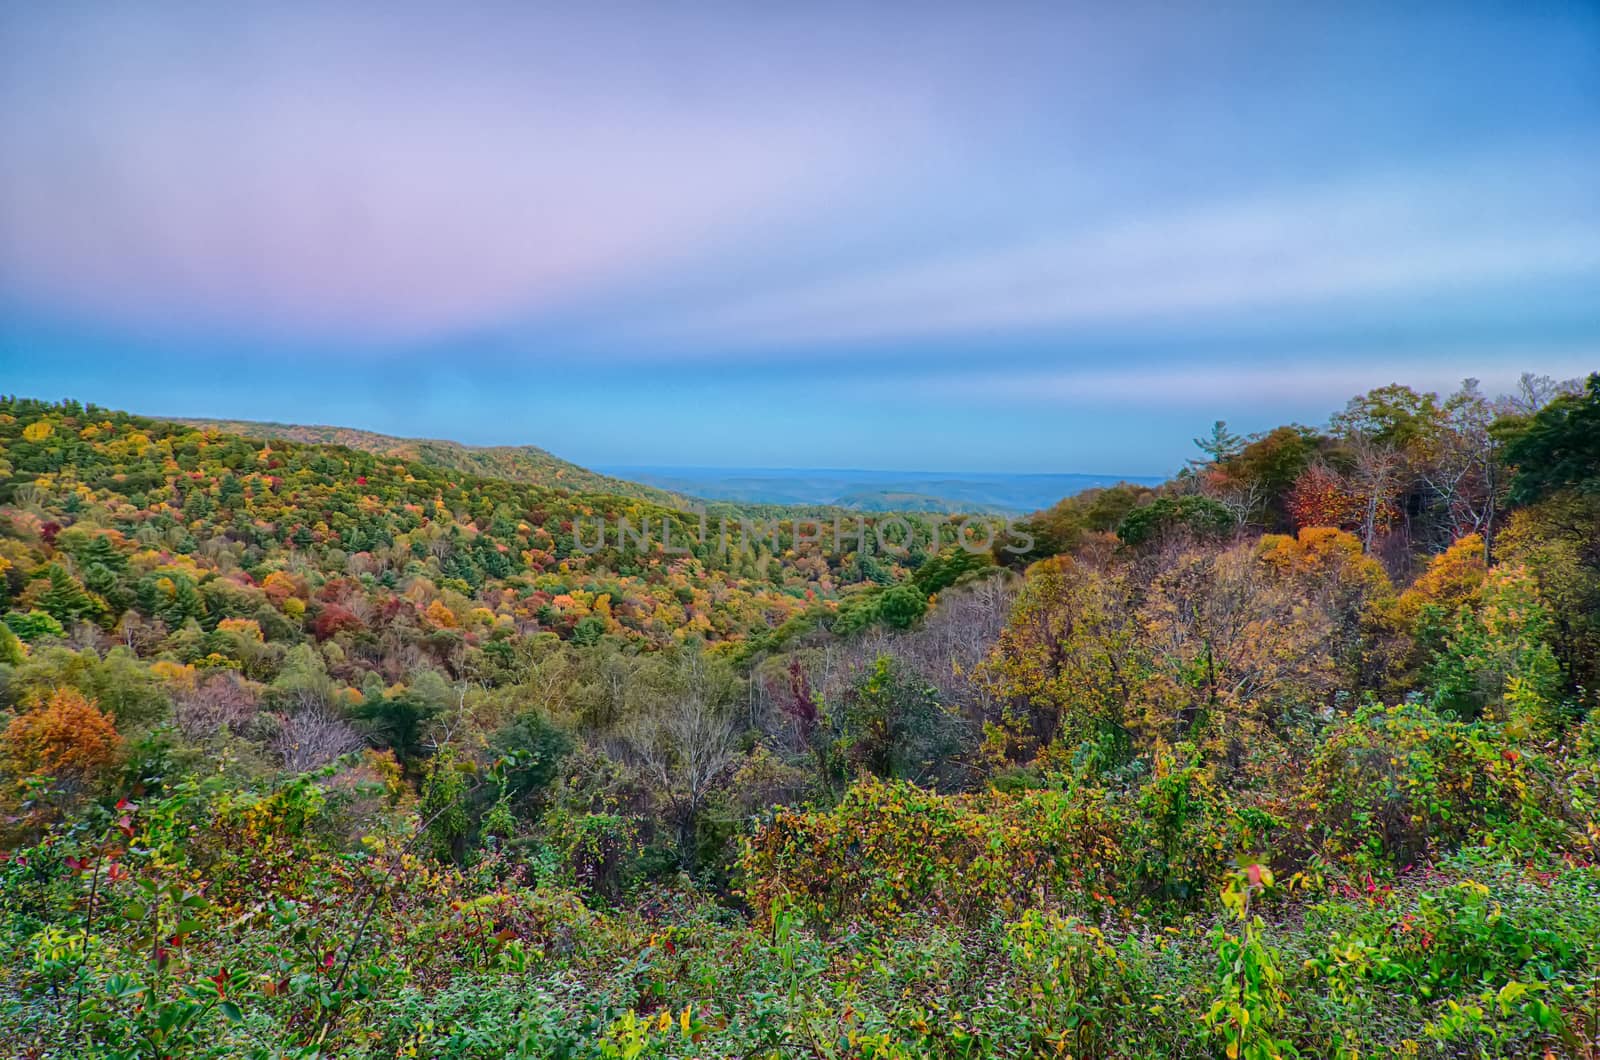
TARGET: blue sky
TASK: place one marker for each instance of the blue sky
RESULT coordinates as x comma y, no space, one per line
915,236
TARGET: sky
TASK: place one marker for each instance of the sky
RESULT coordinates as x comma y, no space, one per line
967,237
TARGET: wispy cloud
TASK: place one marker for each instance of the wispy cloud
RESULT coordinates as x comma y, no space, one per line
285,175
1419,234
612,213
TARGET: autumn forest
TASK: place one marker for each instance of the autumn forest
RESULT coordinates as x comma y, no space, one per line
318,743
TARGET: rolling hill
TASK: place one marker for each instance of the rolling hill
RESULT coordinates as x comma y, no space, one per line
513,463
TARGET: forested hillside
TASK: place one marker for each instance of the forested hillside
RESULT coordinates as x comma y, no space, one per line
515,463
312,750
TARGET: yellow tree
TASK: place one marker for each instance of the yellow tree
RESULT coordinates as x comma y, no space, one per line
1067,664
1233,649
1334,575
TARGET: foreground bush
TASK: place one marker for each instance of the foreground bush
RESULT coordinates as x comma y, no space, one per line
294,944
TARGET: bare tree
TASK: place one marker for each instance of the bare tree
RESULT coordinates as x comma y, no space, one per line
1242,497
141,635
1534,392
310,739
217,700
1378,466
1462,470
684,750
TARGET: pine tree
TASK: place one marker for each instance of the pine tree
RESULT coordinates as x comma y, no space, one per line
1219,445
66,601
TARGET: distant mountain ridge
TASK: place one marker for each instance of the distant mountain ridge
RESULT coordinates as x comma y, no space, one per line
514,463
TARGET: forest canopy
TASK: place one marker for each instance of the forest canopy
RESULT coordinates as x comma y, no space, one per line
317,750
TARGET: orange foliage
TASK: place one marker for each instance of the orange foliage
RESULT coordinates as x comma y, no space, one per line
280,586
1323,553
65,736
1323,497
1451,579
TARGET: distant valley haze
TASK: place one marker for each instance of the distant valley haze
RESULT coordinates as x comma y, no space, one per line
867,490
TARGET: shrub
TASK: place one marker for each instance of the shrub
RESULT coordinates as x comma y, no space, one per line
1390,784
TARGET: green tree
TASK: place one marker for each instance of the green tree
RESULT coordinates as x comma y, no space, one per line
533,748
67,601
1557,448
1221,444
893,726
901,606
33,625
1496,660
10,647
443,807
1192,516
399,722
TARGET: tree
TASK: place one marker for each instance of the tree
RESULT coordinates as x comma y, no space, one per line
1461,467
64,736
1557,448
894,727
1232,649
35,625
941,571
533,749
588,630
66,600
399,722
1192,517
11,653
333,619
902,605
1266,469
1220,445
685,749
217,700
443,807
312,739
1323,497
1394,417
1376,476
1496,661
1385,434
1331,574
1556,540
1534,392
1066,666
303,683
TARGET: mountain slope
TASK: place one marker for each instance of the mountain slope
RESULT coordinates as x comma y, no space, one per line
513,463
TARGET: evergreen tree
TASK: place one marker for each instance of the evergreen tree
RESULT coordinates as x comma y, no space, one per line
66,601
